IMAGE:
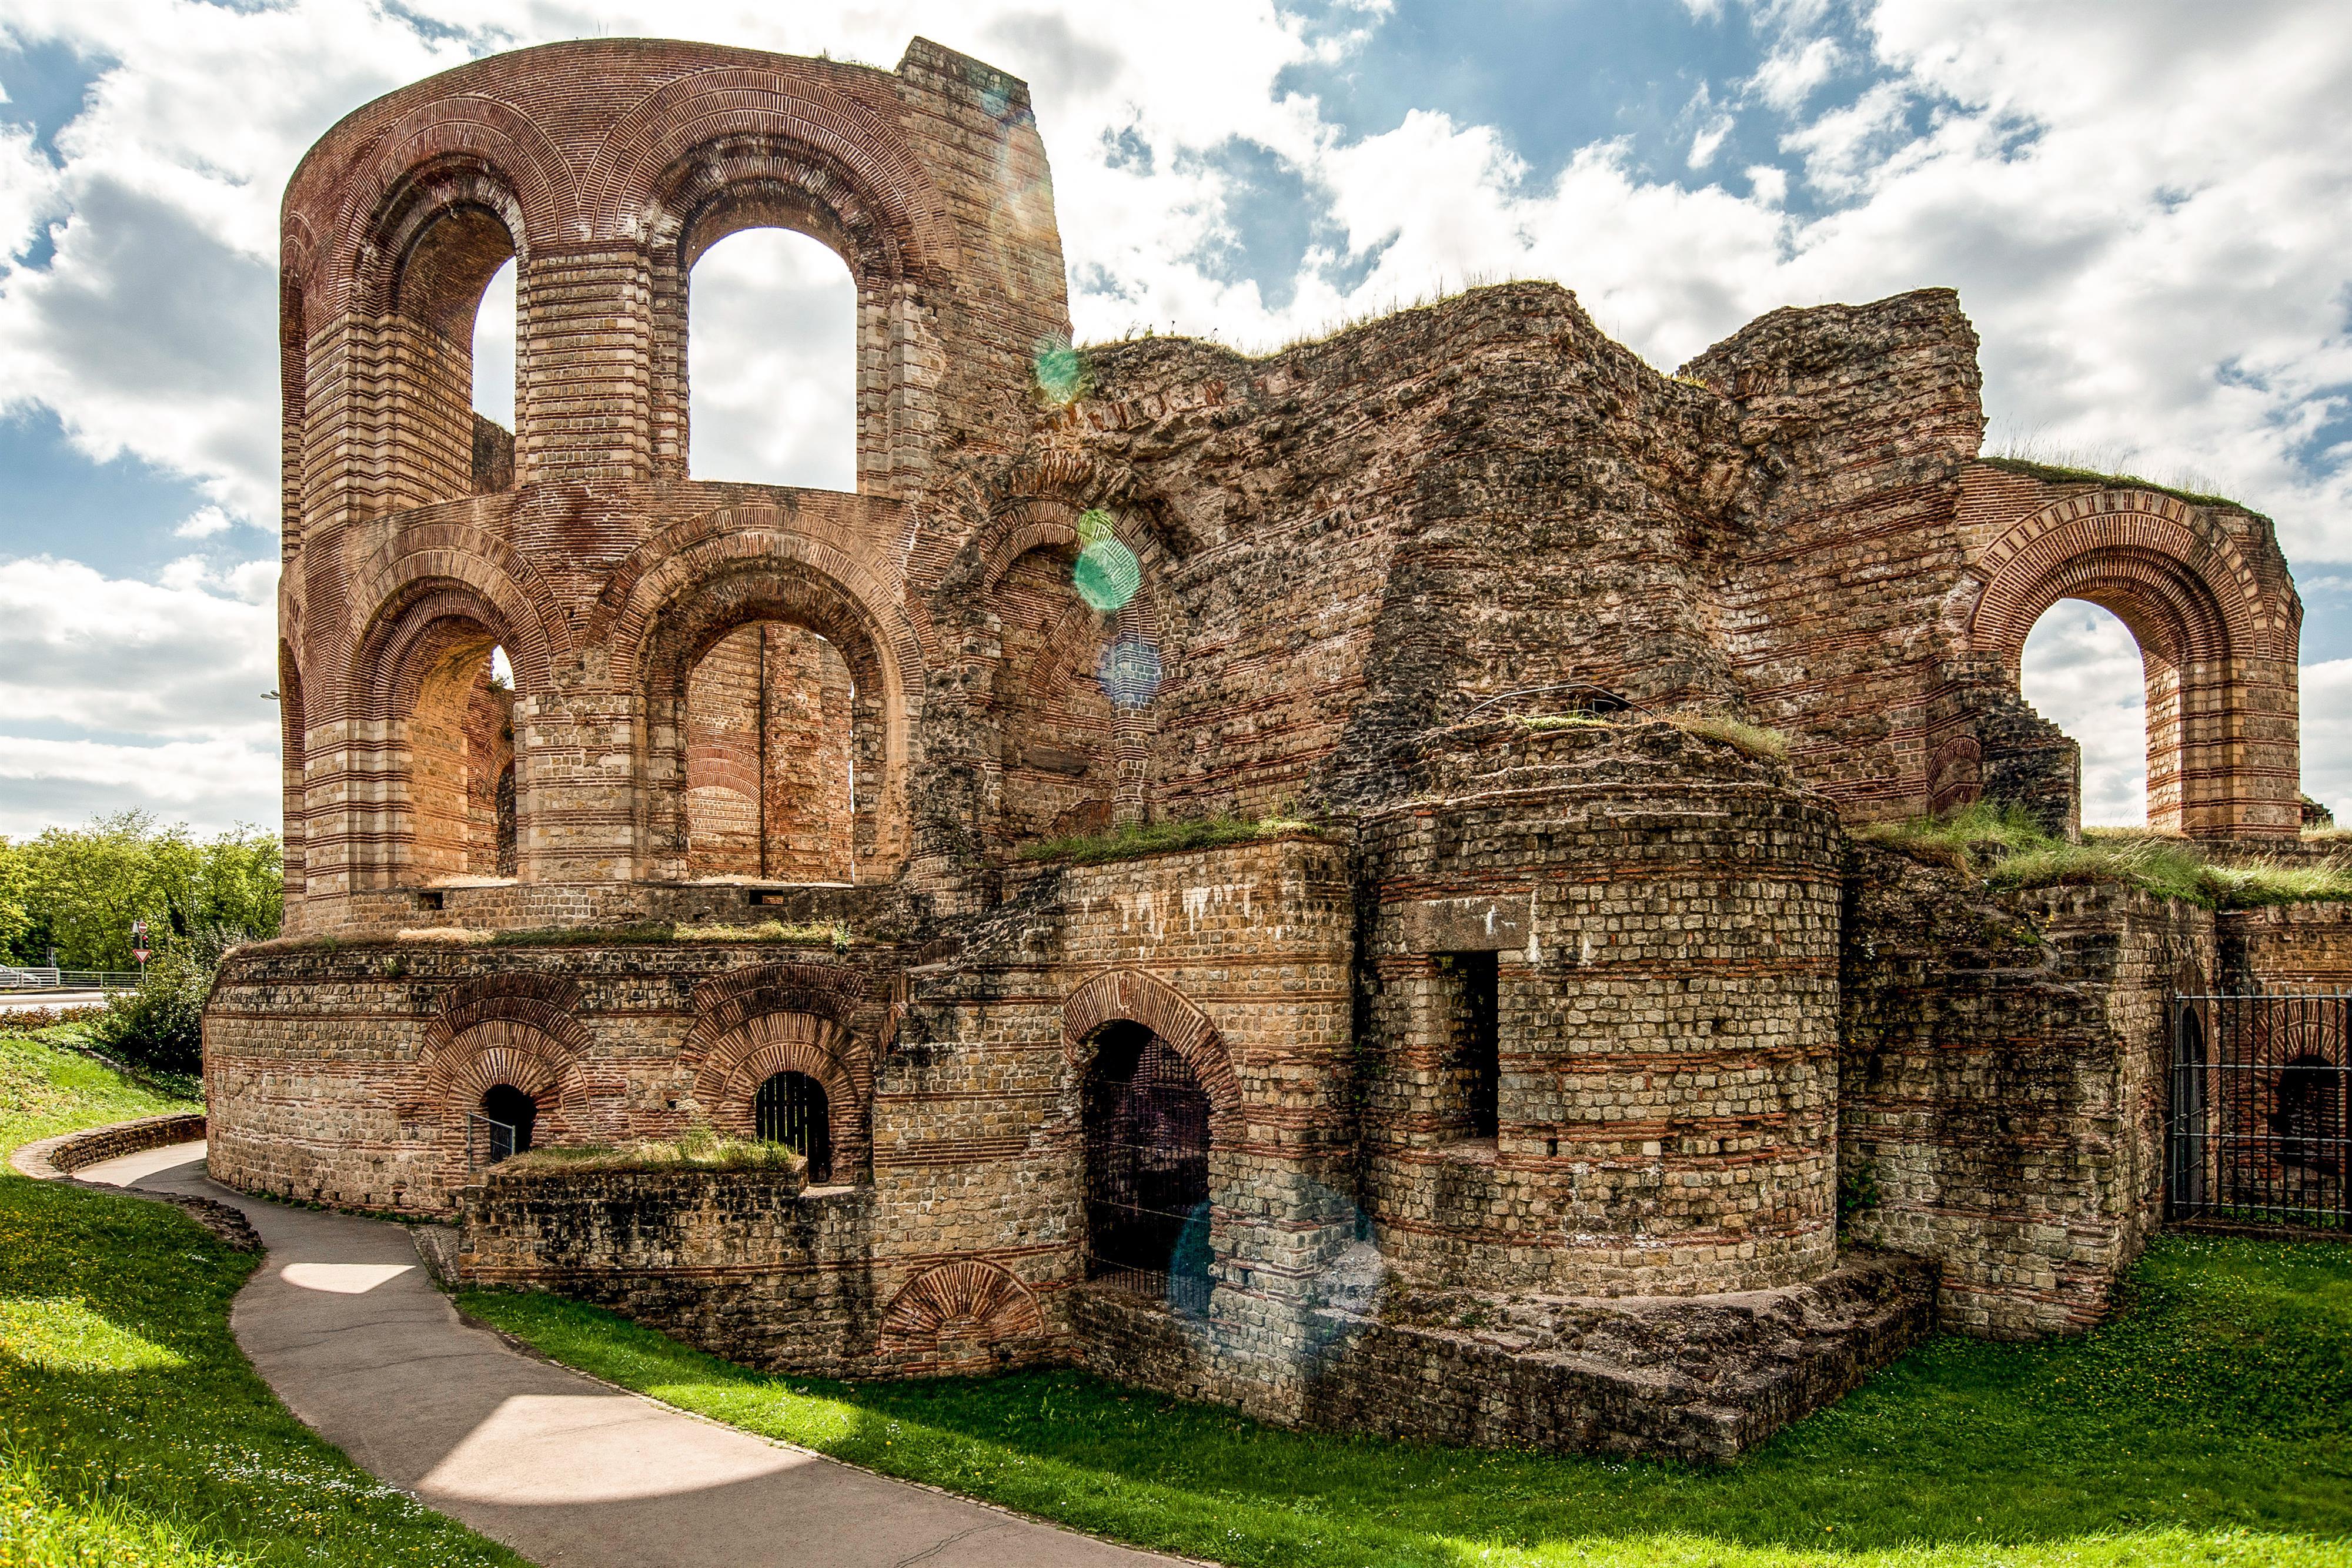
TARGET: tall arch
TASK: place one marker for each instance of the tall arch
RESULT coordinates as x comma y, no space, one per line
2218,655
1132,995
678,596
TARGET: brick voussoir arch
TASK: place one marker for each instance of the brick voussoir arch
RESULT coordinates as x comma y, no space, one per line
728,1078
390,188
1132,995
2136,537
650,144
669,568
969,1298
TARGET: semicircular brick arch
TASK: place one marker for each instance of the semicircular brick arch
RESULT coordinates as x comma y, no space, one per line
467,148
730,1069
650,150
954,1316
1132,995
2217,650
678,595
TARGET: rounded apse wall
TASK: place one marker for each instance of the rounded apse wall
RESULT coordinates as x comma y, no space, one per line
1603,1017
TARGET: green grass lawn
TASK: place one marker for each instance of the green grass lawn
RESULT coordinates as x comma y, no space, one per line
2207,1423
133,1432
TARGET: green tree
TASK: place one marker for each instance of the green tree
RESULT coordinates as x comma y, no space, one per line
81,889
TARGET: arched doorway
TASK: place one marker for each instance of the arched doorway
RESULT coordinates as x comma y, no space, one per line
771,325
1146,1122
509,1115
2082,669
2185,1176
791,1109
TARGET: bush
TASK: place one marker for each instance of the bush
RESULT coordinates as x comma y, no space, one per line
159,1026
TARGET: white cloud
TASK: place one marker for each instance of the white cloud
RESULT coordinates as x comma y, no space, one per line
2326,692
1789,75
203,523
2082,671
119,692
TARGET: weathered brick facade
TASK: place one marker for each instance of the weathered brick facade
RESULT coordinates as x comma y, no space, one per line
1510,1103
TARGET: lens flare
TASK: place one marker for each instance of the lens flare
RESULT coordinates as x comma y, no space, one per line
1107,575
1095,525
1130,671
1060,372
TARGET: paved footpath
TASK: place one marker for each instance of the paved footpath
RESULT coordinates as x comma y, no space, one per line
343,1322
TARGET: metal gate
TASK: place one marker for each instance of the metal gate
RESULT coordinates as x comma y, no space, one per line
1147,1147
791,1110
2261,1123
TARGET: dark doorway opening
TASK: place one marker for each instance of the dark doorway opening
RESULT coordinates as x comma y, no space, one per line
791,1110
511,1113
1147,1154
1473,1044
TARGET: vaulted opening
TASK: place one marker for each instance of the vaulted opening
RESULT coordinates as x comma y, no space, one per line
461,761
791,1109
443,447
773,739
509,1115
1470,1075
2083,669
771,362
1146,1122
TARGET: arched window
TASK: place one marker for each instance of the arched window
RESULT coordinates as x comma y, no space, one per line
494,383
1146,1168
445,448
461,751
791,1110
511,1115
772,731
2308,1123
771,390
2083,671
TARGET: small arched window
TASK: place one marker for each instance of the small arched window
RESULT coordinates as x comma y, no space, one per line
511,1115
792,1110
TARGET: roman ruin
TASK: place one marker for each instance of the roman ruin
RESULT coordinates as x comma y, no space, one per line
1521,1047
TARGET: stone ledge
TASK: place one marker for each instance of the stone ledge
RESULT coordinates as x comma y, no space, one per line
56,1159
1700,1378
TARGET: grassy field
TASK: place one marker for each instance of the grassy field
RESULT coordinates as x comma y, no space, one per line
133,1432
2206,1423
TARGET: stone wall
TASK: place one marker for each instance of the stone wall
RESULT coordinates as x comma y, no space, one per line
749,1263
1662,913
2002,1083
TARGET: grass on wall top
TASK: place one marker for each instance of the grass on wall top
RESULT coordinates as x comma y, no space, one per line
2004,844
1163,838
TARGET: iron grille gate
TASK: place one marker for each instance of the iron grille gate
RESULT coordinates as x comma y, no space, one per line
1147,1144
2259,1130
791,1110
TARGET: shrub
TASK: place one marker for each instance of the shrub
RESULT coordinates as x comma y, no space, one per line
160,1025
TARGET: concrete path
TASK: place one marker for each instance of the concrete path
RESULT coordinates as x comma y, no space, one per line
42,1001
343,1322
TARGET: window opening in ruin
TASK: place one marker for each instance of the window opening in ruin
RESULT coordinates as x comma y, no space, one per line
771,391
791,1110
461,756
2083,671
1469,987
494,349
2309,1120
2261,1110
2189,1144
449,316
509,1114
1147,1169
772,735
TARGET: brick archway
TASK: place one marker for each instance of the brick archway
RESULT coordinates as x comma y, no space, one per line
2217,660
727,1081
1131,996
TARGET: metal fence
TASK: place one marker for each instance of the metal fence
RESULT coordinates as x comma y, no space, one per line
2261,1125
487,1141
42,979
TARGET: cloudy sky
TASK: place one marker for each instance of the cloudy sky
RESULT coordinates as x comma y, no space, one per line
2146,208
